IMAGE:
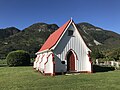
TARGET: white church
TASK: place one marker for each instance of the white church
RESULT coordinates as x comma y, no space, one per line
64,52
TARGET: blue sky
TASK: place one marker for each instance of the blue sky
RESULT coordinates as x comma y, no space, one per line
23,13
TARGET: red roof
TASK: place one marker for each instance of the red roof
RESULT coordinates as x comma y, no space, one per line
54,37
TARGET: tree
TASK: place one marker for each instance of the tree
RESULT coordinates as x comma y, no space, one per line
18,58
96,54
114,54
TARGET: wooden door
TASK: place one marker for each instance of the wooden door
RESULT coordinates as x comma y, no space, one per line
70,61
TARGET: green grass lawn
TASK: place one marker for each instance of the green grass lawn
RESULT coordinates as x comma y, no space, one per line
25,78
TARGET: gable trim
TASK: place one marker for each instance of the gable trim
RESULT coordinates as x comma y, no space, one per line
62,35
73,53
81,37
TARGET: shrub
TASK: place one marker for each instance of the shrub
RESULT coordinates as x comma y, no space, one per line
18,58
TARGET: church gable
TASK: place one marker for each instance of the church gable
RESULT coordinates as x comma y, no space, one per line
66,37
71,39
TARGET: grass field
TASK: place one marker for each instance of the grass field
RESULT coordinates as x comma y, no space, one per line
25,78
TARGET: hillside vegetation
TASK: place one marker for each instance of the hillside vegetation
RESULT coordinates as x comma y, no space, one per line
4,33
33,37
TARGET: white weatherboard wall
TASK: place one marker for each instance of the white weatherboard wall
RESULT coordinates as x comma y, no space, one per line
39,60
48,66
43,59
35,62
44,62
75,43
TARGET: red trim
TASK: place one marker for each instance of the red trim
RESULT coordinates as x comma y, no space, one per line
89,57
80,34
90,60
52,74
73,52
53,59
47,58
35,62
75,56
85,72
46,62
48,74
41,59
38,58
35,59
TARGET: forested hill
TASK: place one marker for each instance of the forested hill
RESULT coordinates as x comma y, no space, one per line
33,37
30,39
7,32
96,36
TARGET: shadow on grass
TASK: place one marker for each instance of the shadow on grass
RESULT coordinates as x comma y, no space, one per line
3,65
98,68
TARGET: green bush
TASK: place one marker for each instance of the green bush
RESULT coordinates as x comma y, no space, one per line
18,58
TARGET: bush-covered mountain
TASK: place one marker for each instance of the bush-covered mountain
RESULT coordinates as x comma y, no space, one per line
32,38
7,32
95,36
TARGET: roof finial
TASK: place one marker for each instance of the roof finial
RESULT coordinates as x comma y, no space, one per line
71,18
